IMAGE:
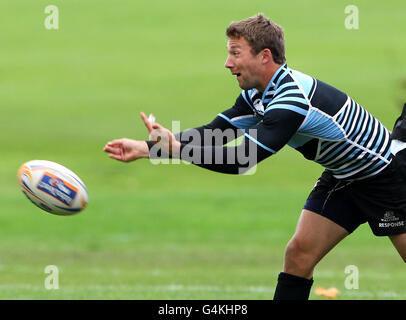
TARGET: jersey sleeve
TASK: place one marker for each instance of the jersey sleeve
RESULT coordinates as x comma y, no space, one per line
225,127
239,117
260,142
242,115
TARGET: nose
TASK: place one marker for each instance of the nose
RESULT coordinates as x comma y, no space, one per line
228,64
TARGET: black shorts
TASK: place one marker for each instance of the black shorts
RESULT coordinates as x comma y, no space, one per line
379,200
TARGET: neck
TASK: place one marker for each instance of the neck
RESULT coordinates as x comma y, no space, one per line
270,72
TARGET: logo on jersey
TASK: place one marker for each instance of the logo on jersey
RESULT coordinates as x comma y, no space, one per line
259,107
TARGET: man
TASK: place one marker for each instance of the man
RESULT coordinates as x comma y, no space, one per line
283,106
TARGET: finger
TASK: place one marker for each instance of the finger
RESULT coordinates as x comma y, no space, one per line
117,157
117,142
112,150
146,122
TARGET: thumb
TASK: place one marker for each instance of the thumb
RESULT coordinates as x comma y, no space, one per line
146,122
157,126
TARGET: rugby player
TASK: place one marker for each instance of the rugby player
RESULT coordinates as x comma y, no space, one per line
282,107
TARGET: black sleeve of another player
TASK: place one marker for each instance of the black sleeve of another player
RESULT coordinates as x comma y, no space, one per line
260,142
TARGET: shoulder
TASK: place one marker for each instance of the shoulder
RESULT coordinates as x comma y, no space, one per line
295,80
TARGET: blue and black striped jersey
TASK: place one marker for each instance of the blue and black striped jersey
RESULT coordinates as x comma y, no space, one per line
316,119
322,123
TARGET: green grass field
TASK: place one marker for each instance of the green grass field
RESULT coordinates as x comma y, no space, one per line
174,231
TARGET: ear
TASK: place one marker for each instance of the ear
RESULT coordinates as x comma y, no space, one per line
266,56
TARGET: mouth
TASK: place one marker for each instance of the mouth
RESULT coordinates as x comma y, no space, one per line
237,74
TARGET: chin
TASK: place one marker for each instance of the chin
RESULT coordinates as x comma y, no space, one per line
246,87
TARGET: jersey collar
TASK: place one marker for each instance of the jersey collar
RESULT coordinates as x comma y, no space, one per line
274,80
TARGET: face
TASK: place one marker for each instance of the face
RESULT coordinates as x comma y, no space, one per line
244,64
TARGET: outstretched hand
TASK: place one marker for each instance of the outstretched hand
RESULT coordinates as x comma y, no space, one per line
128,150
161,136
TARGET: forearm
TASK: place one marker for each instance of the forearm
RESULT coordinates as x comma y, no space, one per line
229,160
144,150
218,132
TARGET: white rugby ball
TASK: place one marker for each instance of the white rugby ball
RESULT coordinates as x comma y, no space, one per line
52,187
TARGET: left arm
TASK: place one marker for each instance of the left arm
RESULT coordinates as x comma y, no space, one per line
260,142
